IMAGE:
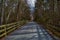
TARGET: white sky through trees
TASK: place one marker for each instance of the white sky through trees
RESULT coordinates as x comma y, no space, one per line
31,4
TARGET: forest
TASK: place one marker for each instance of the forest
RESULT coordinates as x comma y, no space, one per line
46,13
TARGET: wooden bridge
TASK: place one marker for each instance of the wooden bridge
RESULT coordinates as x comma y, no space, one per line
16,22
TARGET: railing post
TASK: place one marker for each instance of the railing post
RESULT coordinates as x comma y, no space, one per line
5,31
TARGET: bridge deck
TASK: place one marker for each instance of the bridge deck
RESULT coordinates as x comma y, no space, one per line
30,31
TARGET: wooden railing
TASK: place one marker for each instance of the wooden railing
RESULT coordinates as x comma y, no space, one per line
6,29
54,30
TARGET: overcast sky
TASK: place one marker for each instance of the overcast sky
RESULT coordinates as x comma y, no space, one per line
31,3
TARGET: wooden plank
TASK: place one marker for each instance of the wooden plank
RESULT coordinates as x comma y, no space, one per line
11,30
8,24
11,27
2,34
2,30
2,26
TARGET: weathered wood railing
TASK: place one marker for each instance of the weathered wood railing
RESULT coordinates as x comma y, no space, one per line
7,28
55,30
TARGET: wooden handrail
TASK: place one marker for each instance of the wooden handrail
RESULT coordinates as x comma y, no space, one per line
53,30
9,27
